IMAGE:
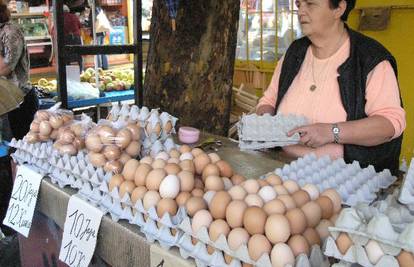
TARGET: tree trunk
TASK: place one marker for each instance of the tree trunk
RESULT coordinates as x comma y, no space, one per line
190,71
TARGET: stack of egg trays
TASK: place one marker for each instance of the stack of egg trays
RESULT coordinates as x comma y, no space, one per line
360,230
266,131
407,189
353,183
198,251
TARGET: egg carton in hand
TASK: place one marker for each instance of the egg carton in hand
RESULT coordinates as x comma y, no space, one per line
407,189
353,183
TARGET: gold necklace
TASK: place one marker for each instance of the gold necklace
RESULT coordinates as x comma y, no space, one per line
313,87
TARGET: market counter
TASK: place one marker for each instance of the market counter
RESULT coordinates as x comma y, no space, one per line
122,244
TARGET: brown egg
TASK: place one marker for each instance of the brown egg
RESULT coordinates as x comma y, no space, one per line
297,220
227,258
138,193
214,157
195,204
335,198
44,138
124,158
158,164
334,218
168,127
133,149
312,237
78,143
343,242
96,159
405,259
154,179
184,149
126,187
251,186
113,166
123,138
277,228
77,129
111,152
225,168
218,204
67,137
326,206
280,190
291,186
67,117
274,206
214,183
257,246
93,143
45,128
197,151
200,162
174,160
32,138
301,198
210,250
253,200
254,220
68,149
217,228
174,153
210,170
151,199
147,160
166,205
201,219
237,237
237,179
299,245
129,169
197,192
187,165
172,168
274,179
198,184
182,198
42,115
234,213
56,121
287,201
34,126
322,228
237,192
115,181
135,131
313,213
107,134
141,173
186,181
262,182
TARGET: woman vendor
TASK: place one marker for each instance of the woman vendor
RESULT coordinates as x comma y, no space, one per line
345,83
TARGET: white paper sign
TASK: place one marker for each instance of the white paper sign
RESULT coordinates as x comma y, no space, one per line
23,200
80,232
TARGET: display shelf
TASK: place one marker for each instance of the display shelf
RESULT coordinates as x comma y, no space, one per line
27,14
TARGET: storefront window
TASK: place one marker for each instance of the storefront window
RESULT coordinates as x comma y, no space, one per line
266,29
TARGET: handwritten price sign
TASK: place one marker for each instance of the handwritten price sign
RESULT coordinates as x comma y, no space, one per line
80,232
23,200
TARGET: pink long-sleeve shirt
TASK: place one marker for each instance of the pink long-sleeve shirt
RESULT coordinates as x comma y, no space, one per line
324,105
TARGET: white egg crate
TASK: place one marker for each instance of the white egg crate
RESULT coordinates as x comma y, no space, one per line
266,131
407,189
161,233
203,258
352,182
387,222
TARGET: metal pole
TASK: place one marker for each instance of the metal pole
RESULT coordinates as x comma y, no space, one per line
138,75
59,38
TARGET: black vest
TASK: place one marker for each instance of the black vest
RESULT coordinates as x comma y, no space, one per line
365,54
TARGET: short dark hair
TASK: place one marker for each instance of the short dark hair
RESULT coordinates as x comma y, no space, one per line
350,4
4,13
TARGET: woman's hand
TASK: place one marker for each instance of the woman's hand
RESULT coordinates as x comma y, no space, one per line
314,135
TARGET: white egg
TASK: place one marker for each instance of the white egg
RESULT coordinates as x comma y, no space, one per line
186,156
312,190
374,251
170,186
162,155
267,193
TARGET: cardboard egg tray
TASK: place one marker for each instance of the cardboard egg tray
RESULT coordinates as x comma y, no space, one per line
407,189
387,222
199,252
266,131
352,182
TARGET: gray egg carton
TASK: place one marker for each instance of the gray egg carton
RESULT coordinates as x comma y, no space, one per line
353,183
407,189
203,258
266,131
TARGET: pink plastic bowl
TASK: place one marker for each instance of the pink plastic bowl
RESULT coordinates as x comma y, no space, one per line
188,135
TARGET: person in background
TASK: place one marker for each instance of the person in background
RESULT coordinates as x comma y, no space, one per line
345,83
72,31
14,66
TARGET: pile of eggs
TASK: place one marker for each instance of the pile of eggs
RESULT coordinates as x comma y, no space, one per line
111,148
46,124
269,216
71,138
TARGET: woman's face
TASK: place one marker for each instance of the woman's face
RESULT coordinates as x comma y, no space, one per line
316,16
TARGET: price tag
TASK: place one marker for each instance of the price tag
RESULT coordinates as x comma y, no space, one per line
23,200
80,232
